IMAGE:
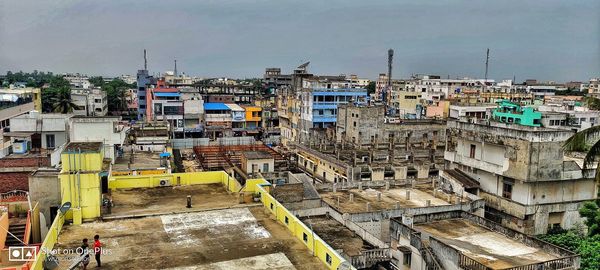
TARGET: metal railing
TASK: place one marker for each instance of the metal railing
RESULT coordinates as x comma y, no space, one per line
369,258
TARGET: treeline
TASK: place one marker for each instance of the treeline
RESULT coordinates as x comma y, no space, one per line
56,96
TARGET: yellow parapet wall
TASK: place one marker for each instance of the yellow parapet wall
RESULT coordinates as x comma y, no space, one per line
311,240
49,242
190,178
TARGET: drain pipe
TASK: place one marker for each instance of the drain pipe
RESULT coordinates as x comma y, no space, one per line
69,172
79,179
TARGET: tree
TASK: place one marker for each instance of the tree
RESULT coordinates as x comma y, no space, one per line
582,141
96,81
591,211
63,102
371,87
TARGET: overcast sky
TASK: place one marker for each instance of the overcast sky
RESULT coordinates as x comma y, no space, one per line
547,40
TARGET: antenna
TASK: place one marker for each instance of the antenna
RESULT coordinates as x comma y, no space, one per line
487,61
175,71
389,81
145,61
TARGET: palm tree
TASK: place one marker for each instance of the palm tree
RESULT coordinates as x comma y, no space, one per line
62,102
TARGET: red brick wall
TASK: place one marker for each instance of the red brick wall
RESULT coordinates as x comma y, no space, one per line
24,162
12,181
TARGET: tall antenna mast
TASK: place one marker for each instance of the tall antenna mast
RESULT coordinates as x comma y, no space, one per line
388,90
145,61
487,61
175,68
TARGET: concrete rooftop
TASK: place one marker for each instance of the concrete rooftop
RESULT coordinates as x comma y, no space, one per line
235,238
163,200
418,198
336,234
491,249
137,160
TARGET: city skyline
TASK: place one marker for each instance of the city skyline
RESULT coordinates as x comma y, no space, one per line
239,39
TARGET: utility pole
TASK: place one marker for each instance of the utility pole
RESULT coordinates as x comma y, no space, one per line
388,89
487,61
145,61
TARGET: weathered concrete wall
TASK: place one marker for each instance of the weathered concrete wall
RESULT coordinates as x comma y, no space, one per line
447,256
44,188
288,193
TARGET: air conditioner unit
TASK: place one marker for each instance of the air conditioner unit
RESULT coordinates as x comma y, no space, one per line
165,183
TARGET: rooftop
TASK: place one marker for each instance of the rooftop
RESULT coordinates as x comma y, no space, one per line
335,234
390,199
153,227
137,160
257,155
170,199
83,146
489,248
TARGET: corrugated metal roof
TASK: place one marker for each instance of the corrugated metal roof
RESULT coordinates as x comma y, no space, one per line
214,106
235,107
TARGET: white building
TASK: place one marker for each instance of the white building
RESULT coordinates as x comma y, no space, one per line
106,129
89,102
528,182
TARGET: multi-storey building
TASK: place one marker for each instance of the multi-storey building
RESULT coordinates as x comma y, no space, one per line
320,97
89,101
529,183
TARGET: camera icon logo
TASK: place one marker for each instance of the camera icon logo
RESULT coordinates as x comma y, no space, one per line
21,254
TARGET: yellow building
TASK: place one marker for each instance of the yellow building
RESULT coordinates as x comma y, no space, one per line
253,117
80,179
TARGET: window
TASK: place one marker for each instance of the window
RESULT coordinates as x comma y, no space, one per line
265,167
354,124
97,100
50,141
271,206
305,237
472,151
407,258
328,258
507,188
142,97
287,220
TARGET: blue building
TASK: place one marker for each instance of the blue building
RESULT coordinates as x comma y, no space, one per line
320,99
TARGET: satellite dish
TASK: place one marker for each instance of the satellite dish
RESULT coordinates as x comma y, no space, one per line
65,207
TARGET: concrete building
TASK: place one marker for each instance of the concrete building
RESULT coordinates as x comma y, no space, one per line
257,162
528,182
464,112
15,102
77,80
366,148
47,131
455,240
320,97
105,129
218,120
89,101
193,112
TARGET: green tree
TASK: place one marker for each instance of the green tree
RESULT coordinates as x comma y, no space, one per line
96,81
62,101
587,247
591,212
371,87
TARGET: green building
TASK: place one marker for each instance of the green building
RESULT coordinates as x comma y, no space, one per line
513,113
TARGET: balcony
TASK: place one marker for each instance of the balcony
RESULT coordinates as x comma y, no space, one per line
218,117
325,118
474,163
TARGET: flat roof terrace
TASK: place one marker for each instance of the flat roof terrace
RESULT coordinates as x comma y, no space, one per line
491,249
336,234
137,160
390,199
166,200
236,238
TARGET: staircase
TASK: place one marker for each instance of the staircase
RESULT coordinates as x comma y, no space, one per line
17,230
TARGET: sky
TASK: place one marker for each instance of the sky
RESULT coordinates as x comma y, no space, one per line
528,39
